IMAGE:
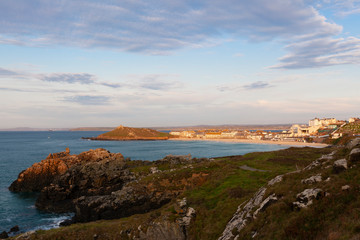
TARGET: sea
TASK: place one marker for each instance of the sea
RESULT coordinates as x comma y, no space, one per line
19,150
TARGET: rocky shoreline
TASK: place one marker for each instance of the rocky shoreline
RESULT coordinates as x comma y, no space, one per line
177,197
98,184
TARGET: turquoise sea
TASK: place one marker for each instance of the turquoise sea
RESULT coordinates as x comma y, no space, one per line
19,150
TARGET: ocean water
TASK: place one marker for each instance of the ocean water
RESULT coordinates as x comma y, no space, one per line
19,150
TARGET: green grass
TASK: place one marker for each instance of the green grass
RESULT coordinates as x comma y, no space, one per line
215,196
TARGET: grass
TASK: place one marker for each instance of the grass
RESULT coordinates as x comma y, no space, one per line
214,189
335,216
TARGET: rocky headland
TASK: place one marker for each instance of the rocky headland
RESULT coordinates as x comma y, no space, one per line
122,133
296,193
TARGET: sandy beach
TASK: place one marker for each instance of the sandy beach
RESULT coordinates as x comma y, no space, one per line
288,143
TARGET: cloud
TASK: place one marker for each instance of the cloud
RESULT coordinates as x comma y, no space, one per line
112,85
154,26
257,85
88,100
153,82
341,7
82,78
252,86
5,72
321,52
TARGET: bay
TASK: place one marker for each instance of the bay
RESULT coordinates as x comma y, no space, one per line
19,150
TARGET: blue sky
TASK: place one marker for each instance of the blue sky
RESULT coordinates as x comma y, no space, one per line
167,63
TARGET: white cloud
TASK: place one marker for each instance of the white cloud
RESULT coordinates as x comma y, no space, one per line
154,26
320,52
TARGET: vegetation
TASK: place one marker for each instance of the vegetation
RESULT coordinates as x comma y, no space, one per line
215,195
353,128
133,133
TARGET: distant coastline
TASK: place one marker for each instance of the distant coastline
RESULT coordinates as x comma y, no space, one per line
250,141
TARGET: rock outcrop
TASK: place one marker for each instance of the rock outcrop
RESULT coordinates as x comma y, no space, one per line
306,197
354,155
101,173
42,174
98,184
123,203
340,165
312,179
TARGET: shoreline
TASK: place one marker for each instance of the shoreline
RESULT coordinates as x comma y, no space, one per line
250,141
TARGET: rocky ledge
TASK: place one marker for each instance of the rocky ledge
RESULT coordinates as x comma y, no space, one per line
98,184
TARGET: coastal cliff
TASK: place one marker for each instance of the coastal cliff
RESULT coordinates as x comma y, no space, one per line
296,193
122,133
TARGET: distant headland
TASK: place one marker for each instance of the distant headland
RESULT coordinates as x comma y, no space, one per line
122,133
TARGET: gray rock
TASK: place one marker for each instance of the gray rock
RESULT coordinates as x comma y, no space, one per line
277,179
354,155
353,143
162,230
182,203
242,215
265,204
340,165
313,179
305,198
312,165
154,170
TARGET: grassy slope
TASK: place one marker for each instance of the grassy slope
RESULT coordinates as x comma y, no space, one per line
336,216
215,200
351,128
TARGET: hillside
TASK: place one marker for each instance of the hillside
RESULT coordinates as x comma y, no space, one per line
122,133
351,128
255,196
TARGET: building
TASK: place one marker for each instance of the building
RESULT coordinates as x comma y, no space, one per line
322,122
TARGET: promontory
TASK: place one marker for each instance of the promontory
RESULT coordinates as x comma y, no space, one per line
122,133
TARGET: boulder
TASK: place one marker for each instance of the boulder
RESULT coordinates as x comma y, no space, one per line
354,155
312,179
353,143
14,229
305,198
4,235
340,165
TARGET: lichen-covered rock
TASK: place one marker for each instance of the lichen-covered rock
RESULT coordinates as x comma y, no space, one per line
354,155
265,204
340,165
42,174
277,179
242,215
312,179
305,198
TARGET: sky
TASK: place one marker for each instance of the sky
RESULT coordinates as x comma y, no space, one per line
177,63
